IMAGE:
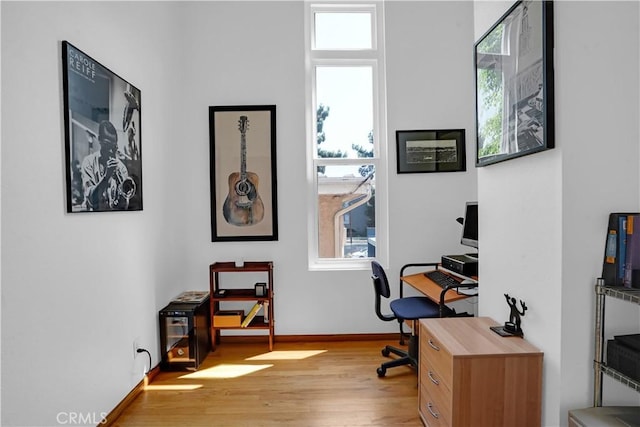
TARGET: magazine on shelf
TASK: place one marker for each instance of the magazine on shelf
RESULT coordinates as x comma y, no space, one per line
192,297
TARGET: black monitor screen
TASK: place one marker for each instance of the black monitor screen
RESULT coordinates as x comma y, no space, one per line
470,225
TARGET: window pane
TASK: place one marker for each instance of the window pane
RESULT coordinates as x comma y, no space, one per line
346,211
494,43
345,111
335,30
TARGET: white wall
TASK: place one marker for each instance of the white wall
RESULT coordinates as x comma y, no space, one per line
430,86
589,196
78,289
543,217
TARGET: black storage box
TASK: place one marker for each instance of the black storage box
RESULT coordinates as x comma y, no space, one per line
632,341
623,355
184,334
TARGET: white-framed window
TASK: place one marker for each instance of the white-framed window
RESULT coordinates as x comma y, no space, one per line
346,135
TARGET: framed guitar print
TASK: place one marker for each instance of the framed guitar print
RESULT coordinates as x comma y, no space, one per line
243,173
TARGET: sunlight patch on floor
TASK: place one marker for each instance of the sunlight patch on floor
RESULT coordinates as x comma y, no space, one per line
172,387
287,355
226,371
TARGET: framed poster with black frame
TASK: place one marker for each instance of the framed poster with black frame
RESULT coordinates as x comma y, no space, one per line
243,173
102,127
437,150
515,84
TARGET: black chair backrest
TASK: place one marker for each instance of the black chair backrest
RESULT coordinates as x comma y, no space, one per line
381,286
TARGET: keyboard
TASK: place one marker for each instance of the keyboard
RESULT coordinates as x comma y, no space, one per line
441,279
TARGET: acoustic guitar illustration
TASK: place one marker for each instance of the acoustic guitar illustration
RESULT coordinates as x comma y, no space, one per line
243,205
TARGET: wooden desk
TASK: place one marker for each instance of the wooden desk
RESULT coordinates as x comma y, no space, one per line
429,288
426,286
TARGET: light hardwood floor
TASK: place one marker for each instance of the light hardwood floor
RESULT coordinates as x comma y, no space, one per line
298,384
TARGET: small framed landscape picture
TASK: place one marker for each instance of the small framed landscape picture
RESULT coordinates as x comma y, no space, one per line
440,150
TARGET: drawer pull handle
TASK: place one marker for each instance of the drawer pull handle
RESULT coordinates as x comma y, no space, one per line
433,346
433,380
429,408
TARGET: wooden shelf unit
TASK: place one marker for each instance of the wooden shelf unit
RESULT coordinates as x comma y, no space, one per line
241,294
470,376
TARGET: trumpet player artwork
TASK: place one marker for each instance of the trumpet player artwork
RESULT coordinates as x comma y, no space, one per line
102,136
243,173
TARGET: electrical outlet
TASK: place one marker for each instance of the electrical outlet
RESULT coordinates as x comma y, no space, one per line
136,346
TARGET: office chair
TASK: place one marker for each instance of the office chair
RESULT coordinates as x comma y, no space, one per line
406,308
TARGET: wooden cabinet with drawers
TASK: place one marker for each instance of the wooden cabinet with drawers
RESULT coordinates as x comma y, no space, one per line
471,376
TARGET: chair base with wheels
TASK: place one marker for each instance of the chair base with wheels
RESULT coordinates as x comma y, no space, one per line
408,357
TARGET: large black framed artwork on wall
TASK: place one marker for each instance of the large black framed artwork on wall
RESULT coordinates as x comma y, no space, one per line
243,173
103,146
515,84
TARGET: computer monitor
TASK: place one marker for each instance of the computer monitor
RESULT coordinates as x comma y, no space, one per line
470,225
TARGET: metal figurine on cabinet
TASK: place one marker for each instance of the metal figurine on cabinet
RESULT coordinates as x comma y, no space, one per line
512,327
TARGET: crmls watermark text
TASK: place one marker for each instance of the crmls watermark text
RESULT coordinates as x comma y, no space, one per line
81,418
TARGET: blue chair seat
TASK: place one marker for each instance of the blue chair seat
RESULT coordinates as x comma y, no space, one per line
412,308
